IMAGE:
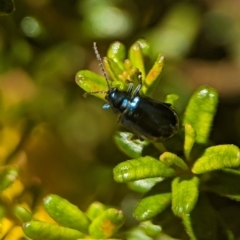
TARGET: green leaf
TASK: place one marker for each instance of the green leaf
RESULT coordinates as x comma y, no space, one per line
149,83
170,158
200,112
8,176
141,168
132,147
151,229
203,223
91,82
224,183
117,51
190,137
184,195
66,213
171,99
136,58
106,224
154,202
37,230
95,209
217,157
145,48
144,185
22,213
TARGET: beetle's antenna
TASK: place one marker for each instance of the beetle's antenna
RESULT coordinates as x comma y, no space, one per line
100,63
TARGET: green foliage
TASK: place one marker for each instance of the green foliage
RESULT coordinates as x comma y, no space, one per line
183,179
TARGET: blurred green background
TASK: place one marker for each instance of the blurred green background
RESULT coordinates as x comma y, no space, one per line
64,142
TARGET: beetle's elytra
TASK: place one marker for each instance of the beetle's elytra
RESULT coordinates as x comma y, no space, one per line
144,116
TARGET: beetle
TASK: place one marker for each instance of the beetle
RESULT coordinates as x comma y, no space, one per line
142,115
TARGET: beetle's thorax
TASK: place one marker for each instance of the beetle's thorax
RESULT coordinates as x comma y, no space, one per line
118,100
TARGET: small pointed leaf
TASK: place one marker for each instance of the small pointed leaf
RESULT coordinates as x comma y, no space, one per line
117,51
95,209
141,168
200,112
149,83
170,158
49,231
91,82
106,224
184,195
136,58
216,158
190,137
154,202
66,213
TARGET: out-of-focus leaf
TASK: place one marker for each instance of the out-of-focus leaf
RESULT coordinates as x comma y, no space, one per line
8,176
202,223
66,213
151,229
154,202
171,99
141,168
105,225
170,158
216,158
190,137
43,230
22,213
184,195
15,233
200,112
6,7
225,184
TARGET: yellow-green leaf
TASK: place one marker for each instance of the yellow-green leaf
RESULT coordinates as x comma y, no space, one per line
141,168
200,112
170,158
136,58
154,202
107,223
66,213
95,209
37,230
217,157
91,82
189,140
149,83
132,147
184,194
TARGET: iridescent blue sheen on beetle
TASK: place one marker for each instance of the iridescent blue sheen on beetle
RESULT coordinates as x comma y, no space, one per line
144,116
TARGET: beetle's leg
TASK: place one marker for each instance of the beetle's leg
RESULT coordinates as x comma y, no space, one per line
139,86
130,88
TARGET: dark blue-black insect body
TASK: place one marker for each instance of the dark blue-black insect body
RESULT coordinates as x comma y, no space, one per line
144,116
